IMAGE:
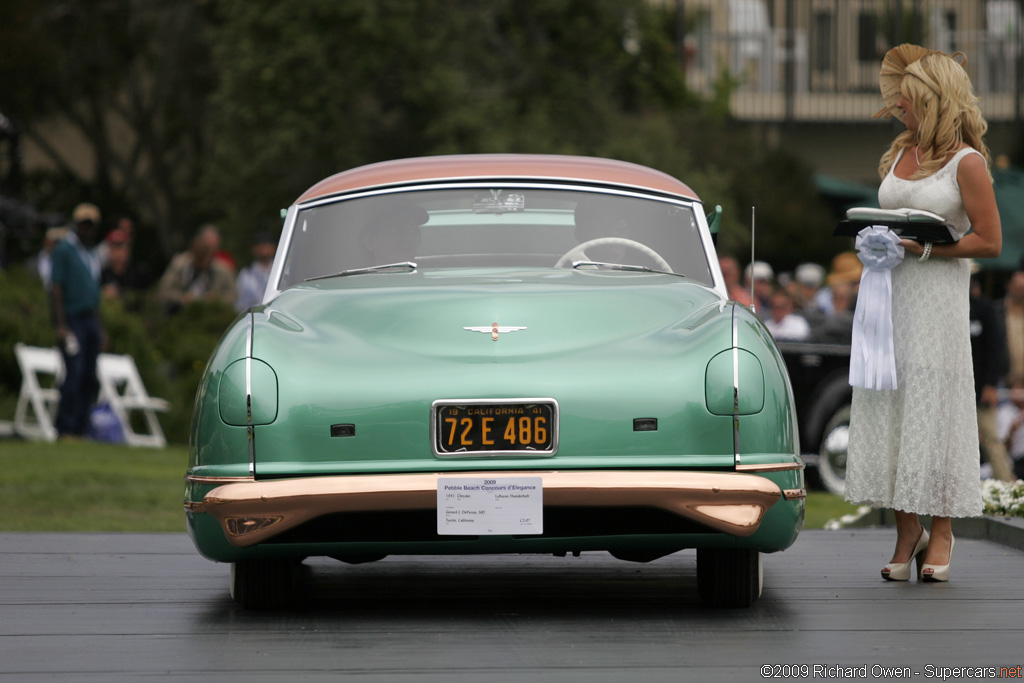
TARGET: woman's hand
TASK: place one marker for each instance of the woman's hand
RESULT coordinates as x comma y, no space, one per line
912,247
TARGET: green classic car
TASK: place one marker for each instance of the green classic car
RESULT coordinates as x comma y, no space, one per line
495,354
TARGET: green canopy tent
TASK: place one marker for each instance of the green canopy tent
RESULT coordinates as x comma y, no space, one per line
844,194
1009,188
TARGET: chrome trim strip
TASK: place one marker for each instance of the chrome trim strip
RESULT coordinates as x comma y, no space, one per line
250,433
735,387
735,380
277,268
711,252
771,467
200,479
577,184
727,502
493,401
794,494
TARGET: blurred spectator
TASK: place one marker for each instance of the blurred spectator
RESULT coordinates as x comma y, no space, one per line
220,255
195,275
784,280
1012,313
120,280
763,278
785,323
837,326
40,264
102,250
1009,420
809,278
988,350
731,275
75,301
252,280
846,267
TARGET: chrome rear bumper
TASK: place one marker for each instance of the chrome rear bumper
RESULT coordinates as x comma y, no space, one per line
252,512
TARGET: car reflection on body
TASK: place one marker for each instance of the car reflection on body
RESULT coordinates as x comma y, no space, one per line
495,354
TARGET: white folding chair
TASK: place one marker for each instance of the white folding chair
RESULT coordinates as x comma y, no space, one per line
122,388
37,401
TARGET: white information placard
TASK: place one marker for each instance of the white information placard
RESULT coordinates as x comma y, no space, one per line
468,506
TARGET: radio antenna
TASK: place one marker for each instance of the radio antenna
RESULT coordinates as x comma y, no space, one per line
753,303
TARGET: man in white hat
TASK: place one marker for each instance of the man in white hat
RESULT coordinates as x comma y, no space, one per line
75,301
763,277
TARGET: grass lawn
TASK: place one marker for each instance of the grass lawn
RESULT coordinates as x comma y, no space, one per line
822,506
100,487
90,487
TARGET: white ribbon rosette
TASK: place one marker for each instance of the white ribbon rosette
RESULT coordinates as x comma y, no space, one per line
872,359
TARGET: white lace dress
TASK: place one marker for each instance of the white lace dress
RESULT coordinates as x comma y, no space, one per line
915,448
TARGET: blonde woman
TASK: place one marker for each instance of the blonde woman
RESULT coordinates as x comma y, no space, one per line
915,448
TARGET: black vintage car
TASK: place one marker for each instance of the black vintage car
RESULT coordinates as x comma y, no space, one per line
820,377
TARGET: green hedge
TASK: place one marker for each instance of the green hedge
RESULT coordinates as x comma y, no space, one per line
170,352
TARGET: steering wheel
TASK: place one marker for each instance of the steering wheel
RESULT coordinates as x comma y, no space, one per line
576,253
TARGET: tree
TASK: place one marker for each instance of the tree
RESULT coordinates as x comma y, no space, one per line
125,80
226,110
313,88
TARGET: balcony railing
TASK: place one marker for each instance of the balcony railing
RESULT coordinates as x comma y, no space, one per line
818,60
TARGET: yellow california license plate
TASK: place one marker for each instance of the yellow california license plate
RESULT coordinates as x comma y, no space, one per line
492,427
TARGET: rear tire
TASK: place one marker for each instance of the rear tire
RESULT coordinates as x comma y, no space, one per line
263,583
729,577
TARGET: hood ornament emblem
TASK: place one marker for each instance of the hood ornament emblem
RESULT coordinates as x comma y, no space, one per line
495,329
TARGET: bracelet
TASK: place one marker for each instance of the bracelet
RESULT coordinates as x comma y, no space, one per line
927,251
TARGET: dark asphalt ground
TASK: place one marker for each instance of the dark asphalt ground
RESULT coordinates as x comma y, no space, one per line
103,607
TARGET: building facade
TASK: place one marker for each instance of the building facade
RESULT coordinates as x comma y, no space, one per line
806,71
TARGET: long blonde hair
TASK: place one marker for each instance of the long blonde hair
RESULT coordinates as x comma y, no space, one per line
947,114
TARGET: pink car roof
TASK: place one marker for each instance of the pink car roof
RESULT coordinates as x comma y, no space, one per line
503,166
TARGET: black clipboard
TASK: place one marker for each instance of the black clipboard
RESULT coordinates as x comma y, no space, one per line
911,224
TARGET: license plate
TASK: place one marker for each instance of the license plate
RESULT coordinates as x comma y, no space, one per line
524,427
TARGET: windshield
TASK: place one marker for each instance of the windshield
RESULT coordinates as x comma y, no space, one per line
493,227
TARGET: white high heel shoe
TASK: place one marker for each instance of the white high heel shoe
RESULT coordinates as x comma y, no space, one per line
900,571
939,572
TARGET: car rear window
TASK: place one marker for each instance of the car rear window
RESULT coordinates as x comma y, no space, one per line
494,226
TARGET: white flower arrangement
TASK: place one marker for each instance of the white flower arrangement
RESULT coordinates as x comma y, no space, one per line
846,520
1003,499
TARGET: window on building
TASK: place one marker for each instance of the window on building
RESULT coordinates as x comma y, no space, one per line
867,37
822,42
